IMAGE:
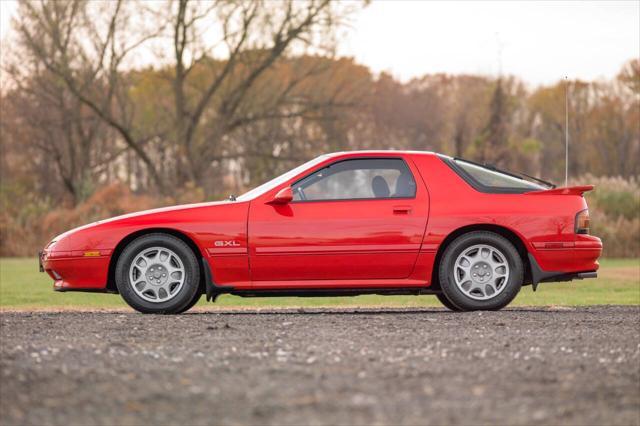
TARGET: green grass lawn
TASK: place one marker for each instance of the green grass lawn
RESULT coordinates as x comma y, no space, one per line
23,287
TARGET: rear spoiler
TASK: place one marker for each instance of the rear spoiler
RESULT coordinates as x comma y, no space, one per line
569,190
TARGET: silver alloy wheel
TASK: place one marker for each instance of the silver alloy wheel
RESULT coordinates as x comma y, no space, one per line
157,274
481,272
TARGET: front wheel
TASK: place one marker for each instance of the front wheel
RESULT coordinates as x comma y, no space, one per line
447,303
158,274
481,271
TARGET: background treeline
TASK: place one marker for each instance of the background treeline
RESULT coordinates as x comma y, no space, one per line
90,130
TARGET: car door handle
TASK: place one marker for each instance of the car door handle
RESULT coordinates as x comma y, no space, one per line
402,209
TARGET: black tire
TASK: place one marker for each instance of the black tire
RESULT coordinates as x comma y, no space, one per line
181,301
191,304
447,304
510,287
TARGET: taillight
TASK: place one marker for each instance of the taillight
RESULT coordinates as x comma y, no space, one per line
582,222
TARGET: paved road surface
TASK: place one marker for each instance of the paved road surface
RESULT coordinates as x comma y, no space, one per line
519,366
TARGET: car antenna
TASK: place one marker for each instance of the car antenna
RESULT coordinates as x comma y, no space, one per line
566,131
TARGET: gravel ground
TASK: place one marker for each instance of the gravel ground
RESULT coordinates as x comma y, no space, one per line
424,366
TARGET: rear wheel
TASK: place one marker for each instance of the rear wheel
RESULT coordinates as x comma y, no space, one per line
159,274
481,271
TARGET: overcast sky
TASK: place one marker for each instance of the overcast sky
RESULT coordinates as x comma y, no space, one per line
540,42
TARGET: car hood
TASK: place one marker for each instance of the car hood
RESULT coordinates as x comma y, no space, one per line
135,215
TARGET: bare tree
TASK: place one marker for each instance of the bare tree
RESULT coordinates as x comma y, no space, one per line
254,37
85,45
57,130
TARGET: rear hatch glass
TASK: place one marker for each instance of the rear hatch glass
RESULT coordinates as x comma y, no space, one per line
487,178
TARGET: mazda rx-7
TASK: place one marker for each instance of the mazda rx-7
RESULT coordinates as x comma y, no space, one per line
350,223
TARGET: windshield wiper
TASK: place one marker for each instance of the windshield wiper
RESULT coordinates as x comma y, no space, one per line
232,197
519,175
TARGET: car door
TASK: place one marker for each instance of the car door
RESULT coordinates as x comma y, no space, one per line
354,219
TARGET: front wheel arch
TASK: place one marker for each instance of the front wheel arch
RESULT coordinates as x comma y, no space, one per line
500,230
111,277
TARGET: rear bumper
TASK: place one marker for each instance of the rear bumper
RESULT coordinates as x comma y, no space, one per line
565,261
580,255
71,271
539,275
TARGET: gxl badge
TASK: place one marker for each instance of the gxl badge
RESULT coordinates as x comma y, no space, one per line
226,243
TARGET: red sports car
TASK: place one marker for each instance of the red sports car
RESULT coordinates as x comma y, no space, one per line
383,222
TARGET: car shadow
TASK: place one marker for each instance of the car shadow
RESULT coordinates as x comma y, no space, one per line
376,311
364,311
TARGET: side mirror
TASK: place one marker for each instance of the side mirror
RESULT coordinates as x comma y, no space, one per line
284,196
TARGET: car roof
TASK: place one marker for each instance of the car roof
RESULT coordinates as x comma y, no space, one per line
379,152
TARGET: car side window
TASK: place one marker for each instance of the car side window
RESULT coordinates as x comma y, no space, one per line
370,178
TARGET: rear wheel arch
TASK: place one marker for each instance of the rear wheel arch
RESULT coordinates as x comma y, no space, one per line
507,233
111,281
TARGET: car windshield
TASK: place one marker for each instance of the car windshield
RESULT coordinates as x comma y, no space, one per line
495,179
255,192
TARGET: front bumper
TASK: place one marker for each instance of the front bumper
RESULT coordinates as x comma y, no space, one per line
75,270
